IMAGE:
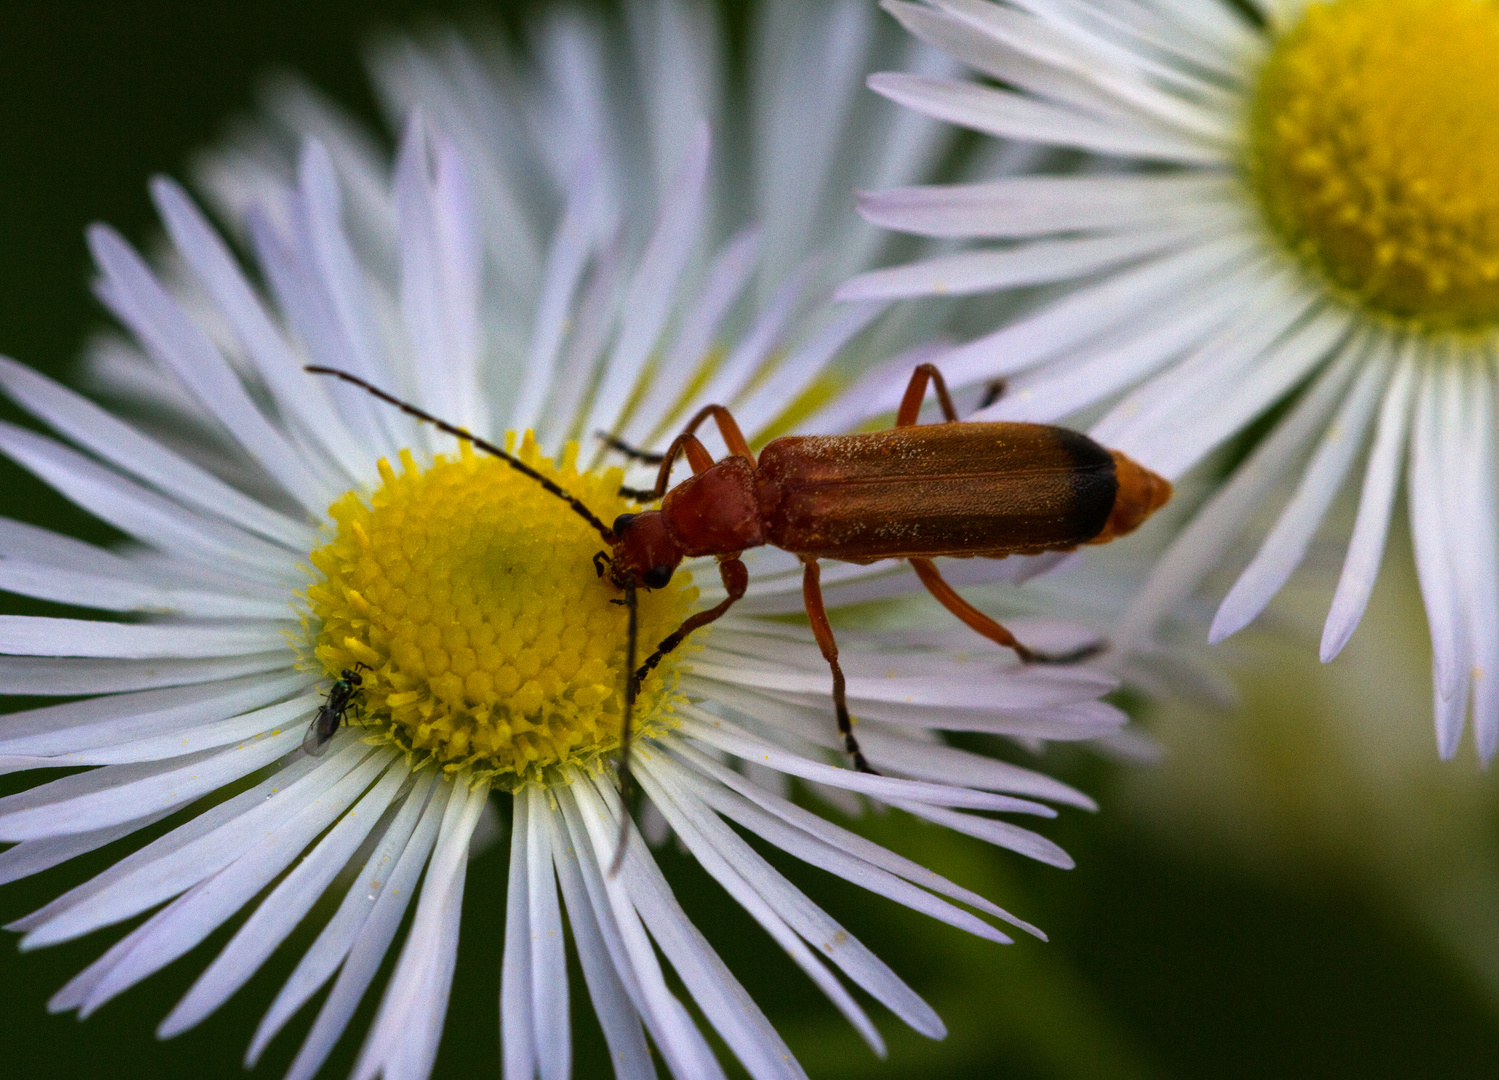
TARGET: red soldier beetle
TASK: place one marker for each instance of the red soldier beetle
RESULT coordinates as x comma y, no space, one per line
913,491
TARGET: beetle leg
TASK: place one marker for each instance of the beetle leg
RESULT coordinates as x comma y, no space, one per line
910,405
627,450
687,442
735,582
697,456
728,427
927,571
812,596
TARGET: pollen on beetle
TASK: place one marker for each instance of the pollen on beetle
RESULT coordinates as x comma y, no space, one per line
1373,151
470,595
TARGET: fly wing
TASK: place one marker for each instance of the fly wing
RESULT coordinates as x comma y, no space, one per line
321,731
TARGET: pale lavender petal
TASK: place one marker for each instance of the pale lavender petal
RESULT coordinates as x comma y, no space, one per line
1286,545
1381,478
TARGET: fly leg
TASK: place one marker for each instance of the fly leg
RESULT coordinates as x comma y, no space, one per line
927,571
812,596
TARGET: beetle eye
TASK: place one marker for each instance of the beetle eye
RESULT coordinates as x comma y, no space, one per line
657,577
622,523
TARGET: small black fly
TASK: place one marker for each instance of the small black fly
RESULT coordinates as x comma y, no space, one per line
331,713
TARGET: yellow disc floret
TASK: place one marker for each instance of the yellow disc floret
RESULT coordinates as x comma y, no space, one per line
1375,150
470,595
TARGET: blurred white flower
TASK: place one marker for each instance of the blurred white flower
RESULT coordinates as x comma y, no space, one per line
558,246
1279,203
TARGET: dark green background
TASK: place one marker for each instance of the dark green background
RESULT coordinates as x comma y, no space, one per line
1160,965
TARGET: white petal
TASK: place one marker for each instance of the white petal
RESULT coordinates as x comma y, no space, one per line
375,934
713,987
714,850
518,1034
1011,116
112,593
595,818
1479,543
203,735
567,258
325,955
56,729
34,635
1201,544
43,811
724,283
730,738
802,53
679,72
138,299
1271,309
1366,546
1060,722
45,676
1097,371
104,434
999,685
178,838
34,856
290,270
1000,833
297,395
143,514
1037,263
553,1039
402,1042
280,912
759,341
815,840
1429,525
598,945
797,372
349,337
1278,372
1063,324
78,988
1286,545
192,852
593,321
440,268
1035,56
1024,206
653,287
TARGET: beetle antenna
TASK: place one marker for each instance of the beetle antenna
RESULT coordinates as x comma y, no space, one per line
625,732
469,437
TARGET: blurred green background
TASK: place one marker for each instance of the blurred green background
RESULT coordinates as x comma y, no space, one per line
1299,890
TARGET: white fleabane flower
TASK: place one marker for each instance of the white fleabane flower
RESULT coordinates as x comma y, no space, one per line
293,541
1299,207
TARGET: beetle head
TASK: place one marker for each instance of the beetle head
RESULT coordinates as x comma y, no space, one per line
643,547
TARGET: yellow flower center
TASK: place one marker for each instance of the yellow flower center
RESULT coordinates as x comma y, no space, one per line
1375,151
489,642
